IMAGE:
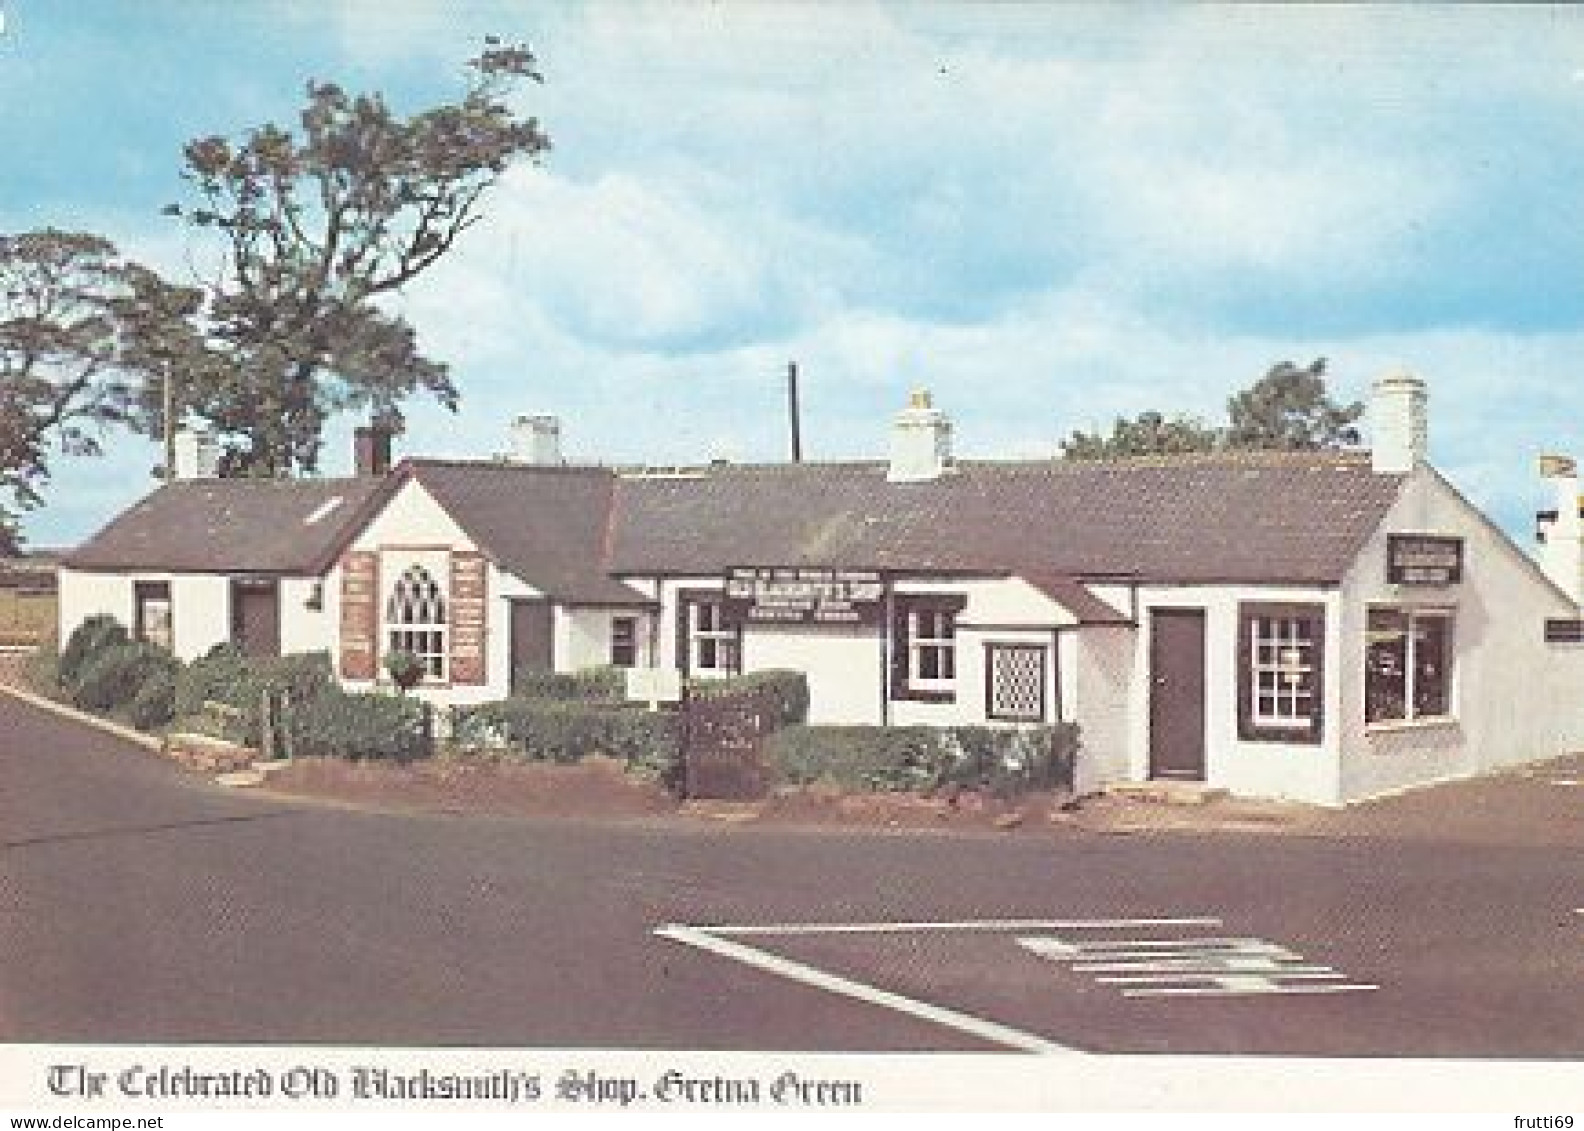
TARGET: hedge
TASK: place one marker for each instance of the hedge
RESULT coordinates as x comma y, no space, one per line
998,760
601,684
546,730
227,675
87,640
115,675
362,726
788,690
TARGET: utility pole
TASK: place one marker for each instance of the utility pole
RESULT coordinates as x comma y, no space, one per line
793,412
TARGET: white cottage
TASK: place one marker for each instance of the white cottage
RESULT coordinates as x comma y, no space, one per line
1321,626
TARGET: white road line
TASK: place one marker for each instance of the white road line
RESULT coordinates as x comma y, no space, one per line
1217,991
1208,966
965,925
704,939
1298,973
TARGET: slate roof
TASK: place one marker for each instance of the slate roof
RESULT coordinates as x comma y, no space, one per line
1241,517
1297,518
547,525
230,526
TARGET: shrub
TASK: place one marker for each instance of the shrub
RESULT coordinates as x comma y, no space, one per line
228,676
404,668
546,730
787,692
87,640
155,703
361,726
999,760
601,684
112,677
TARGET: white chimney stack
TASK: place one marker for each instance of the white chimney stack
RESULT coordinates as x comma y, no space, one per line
536,440
1399,424
1562,554
920,441
197,455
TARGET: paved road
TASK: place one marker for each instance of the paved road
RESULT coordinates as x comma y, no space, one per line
141,905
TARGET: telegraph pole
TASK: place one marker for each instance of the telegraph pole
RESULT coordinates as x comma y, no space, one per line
793,414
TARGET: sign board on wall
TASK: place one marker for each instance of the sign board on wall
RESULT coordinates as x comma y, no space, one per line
359,615
804,595
1424,559
469,584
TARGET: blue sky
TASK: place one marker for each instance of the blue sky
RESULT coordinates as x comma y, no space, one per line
1048,214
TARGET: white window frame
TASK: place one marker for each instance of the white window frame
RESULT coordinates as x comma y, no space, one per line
636,641
1410,674
429,640
724,637
1278,676
941,643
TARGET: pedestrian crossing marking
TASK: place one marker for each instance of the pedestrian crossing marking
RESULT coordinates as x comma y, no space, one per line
1192,967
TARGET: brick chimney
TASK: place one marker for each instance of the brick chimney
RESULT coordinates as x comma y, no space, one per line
371,449
1399,423
920,441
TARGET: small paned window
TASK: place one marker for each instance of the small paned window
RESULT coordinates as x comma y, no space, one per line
714,644
1016,682
1407,665
415,620
152,615
1281,663
924,648
624,642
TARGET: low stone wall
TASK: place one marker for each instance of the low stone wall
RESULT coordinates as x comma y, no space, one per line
208,755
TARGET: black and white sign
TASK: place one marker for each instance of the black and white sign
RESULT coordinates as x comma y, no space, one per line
804,595
1423,559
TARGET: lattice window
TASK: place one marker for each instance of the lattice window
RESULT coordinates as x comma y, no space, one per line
415,619
1017,682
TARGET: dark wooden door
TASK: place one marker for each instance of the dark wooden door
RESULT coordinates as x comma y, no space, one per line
255,616
1177,694
532,638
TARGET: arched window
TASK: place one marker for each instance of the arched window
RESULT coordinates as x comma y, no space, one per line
415,619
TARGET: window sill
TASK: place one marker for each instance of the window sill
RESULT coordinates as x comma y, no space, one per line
1393,726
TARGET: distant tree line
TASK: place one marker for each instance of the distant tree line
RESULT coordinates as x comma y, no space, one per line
1288,409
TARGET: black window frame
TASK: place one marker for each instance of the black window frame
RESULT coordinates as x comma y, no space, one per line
143,593
1251,727
624,642
904,681
1042,713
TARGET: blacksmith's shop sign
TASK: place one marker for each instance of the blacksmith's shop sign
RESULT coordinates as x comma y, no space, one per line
1423,559
803,595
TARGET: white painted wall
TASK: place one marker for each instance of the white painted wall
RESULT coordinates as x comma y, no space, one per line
1103,674
1296,771
200,612
304,629
1516,699
844,667
84,595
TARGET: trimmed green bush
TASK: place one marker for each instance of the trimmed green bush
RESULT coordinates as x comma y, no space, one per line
999,760
547,730
226,675
787,690
601,684
113,676
87,640
155,703
362,726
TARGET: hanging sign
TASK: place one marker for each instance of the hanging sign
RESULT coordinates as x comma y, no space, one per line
803,595
1423,559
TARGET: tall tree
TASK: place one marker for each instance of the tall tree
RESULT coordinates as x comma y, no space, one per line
1289,409
1149,433
317,225
81,328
